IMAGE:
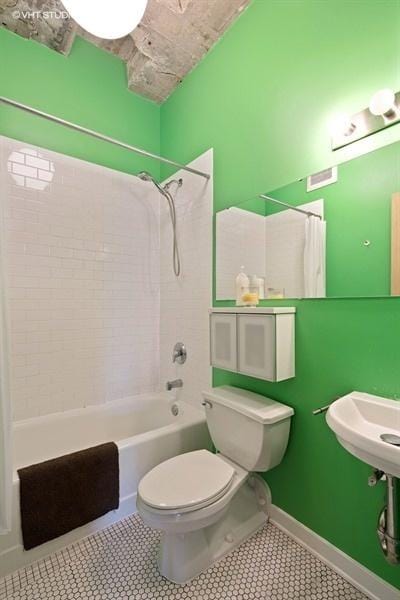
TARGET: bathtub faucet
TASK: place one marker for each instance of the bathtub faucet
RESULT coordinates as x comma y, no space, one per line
176,383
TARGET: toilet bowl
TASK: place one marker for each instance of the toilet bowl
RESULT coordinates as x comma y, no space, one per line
203,484
206,504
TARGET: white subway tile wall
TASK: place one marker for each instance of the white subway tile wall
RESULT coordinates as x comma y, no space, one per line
284,249
240,236
82,264
185,300
271,247
30,169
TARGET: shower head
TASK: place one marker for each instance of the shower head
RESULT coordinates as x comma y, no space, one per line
145,176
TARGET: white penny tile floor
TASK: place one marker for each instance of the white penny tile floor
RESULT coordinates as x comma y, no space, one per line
119,563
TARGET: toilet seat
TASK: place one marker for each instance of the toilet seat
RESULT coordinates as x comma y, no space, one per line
186,482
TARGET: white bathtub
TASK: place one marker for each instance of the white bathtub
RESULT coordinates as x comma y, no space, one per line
146,432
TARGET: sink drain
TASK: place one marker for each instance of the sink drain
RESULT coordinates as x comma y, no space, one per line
391,438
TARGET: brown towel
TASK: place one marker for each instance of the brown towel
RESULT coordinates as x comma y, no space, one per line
59,495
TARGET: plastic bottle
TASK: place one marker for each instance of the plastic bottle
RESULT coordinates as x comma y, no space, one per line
242,287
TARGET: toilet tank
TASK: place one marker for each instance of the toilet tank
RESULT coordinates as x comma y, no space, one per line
248,428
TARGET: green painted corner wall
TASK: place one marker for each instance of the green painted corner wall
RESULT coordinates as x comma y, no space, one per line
89,88
262,99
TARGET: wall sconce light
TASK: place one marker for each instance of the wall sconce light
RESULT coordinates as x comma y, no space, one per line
383,104
383,111
342,124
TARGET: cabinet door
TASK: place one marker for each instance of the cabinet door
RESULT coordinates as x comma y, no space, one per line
223,341
257,344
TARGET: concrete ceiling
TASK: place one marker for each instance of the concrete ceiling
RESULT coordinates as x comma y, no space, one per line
171,39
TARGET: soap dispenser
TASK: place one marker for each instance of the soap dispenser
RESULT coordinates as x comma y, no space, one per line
242,287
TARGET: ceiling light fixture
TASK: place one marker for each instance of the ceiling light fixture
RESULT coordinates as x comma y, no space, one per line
107,20
383,104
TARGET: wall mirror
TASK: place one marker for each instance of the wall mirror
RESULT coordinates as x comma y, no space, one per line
346,242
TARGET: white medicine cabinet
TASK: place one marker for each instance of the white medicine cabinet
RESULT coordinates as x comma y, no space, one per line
259,342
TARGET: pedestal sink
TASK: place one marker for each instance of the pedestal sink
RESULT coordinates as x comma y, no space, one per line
368,427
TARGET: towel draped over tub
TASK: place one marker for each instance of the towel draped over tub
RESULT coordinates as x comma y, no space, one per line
61,494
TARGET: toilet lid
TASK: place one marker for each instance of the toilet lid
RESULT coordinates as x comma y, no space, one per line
187,480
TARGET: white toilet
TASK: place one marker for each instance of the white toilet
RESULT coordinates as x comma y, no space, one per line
207,504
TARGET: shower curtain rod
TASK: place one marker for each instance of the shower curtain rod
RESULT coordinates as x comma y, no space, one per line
305,212
99,136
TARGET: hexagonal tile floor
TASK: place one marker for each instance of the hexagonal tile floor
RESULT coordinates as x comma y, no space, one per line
119,563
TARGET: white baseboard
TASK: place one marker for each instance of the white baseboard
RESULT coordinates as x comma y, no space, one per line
360,577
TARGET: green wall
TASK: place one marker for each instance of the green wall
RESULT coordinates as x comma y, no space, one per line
262,99
356,208
89,88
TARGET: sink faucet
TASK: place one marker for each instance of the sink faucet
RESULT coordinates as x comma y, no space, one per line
176,383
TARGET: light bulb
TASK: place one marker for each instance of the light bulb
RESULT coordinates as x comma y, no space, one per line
341,124
107,20
383,104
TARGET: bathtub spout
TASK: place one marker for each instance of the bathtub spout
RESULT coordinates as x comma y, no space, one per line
177,383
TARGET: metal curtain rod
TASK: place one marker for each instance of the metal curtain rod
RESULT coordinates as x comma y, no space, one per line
305,212
99,136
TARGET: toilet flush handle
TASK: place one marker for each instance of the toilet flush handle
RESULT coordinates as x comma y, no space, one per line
207,404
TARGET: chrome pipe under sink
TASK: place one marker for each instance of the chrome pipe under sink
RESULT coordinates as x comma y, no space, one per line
389,521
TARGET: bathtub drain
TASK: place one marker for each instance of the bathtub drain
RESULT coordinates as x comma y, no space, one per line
175,410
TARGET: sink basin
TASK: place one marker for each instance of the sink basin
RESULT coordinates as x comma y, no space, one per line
361,423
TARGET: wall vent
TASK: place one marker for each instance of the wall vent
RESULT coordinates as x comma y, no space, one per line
322,178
